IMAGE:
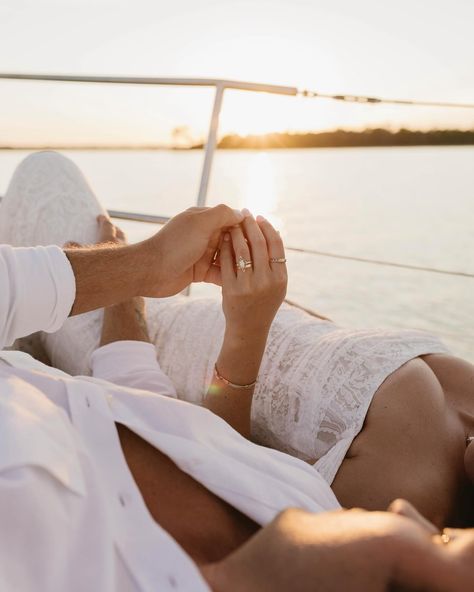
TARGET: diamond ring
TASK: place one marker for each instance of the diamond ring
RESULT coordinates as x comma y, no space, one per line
242,264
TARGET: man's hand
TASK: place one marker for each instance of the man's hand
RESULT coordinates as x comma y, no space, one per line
180,253
184,249
351,550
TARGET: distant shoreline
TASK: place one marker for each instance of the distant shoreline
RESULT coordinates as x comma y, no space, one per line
371,138
350,139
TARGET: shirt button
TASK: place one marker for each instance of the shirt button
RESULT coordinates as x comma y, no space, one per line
124,499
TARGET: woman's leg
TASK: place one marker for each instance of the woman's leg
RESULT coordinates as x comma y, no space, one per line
49,201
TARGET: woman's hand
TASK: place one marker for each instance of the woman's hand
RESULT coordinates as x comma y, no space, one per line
251,295
254,279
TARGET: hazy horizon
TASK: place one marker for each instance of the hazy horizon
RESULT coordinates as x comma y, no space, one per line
268,136
421,50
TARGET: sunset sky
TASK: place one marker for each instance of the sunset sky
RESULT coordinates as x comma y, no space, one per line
421,49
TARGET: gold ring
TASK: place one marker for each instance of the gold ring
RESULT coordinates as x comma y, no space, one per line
214,258
277,260
242,264
445,538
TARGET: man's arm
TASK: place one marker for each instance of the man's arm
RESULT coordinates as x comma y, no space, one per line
36,291
351,550
41,286
180,253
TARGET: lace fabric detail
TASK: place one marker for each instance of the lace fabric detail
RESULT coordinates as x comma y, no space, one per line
315,384
48,201
316,381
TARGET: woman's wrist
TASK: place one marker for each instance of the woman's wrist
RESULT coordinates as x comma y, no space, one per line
246,333
241,355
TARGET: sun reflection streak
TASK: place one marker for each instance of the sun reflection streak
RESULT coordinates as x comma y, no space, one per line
259,192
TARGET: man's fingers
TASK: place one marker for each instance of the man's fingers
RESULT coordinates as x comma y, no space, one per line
404,508
220,217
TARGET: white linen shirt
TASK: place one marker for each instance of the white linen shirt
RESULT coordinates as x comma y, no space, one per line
71,516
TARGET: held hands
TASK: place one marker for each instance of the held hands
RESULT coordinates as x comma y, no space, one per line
185,247
253,273
253,281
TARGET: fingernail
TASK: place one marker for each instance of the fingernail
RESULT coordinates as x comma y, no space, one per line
227,237
261,219
239,213
246,213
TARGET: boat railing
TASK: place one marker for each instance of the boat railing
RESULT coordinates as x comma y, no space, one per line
220,86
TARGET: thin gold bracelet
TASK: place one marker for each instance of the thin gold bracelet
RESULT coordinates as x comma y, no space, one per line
232,384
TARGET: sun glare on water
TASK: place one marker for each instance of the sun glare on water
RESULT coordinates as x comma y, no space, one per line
259,192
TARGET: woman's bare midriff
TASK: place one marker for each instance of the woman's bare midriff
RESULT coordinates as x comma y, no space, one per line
205,526
411,446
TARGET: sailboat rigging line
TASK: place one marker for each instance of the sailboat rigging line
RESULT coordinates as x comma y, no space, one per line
378,100
152,219
380,262
228,84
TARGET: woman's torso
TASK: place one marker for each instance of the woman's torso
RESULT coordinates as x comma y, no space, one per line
413,441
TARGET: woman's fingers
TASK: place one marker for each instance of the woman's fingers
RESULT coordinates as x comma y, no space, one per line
227,262
257,242
276,250
243,259
275,247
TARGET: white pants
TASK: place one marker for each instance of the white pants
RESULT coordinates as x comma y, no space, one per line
316,380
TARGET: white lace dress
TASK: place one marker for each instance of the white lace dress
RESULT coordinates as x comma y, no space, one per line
316,382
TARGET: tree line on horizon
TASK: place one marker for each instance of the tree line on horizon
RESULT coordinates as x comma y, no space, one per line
346,139
341,138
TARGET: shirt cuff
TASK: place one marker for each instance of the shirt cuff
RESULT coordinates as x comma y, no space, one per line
117,357
65,282
132,364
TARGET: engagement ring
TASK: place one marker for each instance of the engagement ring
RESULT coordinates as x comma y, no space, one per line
242,264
